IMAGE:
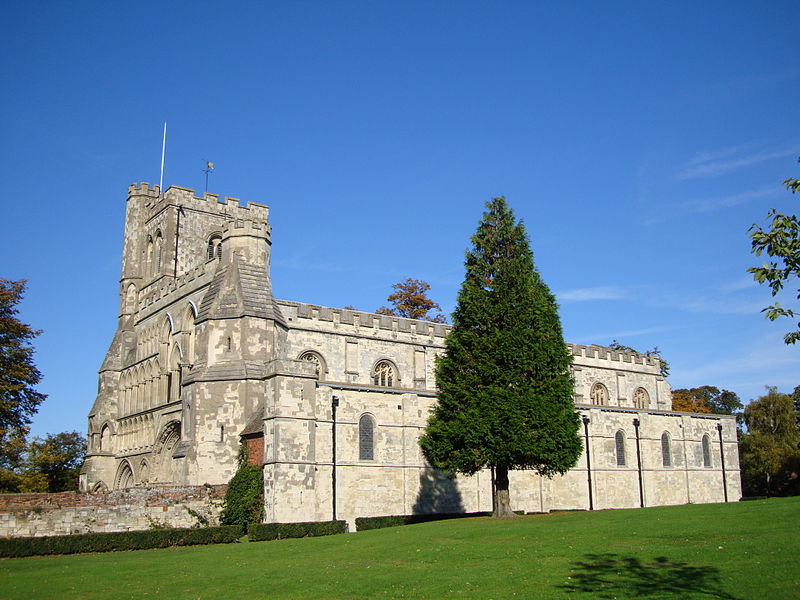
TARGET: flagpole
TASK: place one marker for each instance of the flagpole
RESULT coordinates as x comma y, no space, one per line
163,149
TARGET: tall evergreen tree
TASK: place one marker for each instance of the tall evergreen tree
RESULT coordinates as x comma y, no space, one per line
505,391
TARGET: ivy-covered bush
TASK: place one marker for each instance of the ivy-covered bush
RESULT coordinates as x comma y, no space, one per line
244,499
122,540
258,532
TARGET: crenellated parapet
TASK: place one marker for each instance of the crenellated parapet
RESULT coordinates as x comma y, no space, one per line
359,322
230,207
165,290
601,353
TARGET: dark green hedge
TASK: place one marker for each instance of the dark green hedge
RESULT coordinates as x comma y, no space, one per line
123,540
364,523
258,532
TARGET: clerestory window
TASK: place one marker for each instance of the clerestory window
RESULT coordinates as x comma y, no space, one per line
384,374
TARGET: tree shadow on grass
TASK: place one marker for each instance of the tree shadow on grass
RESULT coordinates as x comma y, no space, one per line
613,576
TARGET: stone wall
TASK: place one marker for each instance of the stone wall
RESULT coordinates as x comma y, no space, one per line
124,510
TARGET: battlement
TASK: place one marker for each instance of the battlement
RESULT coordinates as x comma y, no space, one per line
359,319
186,197
167,288
603,353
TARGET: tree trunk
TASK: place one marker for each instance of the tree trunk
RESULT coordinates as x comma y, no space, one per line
502,504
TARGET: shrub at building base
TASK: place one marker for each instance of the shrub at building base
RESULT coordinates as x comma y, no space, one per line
244,498
123,540
258,532
365,523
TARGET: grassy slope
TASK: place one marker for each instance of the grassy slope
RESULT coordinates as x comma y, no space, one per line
745,550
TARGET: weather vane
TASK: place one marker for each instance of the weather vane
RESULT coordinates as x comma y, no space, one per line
209,169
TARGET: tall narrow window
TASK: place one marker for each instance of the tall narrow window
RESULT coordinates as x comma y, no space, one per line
641,399
214,247
619,442
599,394
159,252
706,451
366,438
666,454
384,374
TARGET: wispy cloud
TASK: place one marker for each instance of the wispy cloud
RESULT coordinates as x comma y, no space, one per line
712,164
718,202
605,292
604,337
766,357
743,283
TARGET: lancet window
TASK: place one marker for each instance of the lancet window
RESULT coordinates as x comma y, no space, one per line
619,445
666,453
706,451
366,438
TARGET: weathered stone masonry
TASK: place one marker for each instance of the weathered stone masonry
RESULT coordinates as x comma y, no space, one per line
204,357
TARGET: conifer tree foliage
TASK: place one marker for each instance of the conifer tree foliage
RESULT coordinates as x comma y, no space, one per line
505,391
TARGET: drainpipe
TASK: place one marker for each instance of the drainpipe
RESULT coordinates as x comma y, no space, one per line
334,404
639,463
588,460
722,457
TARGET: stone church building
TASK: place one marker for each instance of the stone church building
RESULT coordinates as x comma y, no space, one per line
332,401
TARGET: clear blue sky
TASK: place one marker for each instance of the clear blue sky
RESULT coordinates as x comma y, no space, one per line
637,140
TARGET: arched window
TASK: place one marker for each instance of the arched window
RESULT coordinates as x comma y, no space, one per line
366,438
214,247
144,472
641,399
124,477
316,360
599,394
105,439
149,265
158,251
706,451
666,454
619,444
384,374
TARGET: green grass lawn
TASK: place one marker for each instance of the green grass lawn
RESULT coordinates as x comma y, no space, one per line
743,550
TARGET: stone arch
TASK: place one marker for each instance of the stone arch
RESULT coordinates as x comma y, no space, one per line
159,250
366,437
599,394
149,257
641,399
706,450
124,478
214,246
619,448
144,471
317,360
163,470
385,373
188,338
666,450
130,300
100,486
105,438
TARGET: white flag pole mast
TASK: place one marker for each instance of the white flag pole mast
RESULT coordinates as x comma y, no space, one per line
163,149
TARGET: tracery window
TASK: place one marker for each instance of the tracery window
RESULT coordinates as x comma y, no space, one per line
666,454
215,247
316,360
641,399
366,438
599,394
384,374
619,444
706,451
